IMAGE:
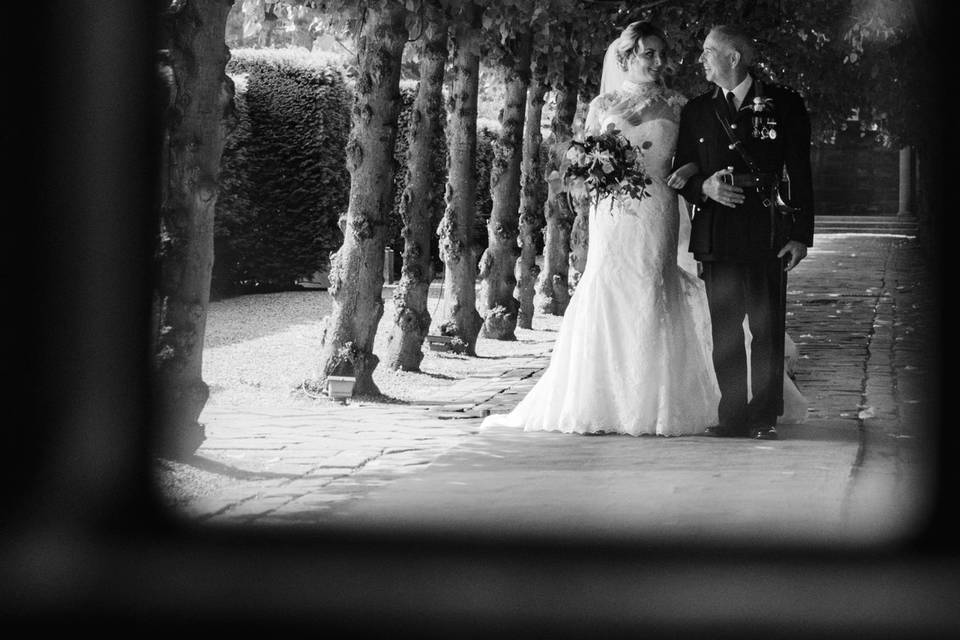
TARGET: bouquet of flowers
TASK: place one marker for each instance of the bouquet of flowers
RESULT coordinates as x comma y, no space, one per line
606,165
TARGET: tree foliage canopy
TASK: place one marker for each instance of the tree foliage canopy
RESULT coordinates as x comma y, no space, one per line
844,56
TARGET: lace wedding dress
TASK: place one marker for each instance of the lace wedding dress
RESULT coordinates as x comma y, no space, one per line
633,354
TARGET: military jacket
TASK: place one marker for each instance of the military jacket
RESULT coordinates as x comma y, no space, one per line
774,127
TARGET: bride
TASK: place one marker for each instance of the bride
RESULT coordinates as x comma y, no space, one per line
633,354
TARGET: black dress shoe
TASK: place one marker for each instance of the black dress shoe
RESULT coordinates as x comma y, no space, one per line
724,431
763,433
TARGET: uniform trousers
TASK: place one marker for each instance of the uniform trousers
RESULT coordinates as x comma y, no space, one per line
756,289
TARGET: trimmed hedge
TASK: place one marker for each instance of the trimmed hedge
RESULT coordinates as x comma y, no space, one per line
284,181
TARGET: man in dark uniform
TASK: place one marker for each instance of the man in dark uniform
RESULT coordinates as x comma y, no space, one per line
742,135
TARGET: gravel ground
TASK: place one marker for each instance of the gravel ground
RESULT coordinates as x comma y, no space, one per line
260,348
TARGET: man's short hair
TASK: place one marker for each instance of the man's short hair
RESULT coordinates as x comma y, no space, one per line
737,39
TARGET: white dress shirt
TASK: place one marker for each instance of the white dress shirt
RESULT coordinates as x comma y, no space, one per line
740,91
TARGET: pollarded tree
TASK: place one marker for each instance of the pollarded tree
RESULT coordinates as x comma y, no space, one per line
356,269
461,320
509,32
532,193
199,100
551,289
411,321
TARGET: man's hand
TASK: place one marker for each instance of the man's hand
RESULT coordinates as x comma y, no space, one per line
797,251
726,194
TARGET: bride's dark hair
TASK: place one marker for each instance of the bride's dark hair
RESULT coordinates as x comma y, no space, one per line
628,43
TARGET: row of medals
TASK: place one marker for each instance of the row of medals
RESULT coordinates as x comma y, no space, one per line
763,128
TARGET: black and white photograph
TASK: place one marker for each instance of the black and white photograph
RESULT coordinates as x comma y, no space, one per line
480,318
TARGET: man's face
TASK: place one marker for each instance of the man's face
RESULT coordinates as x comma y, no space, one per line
715,60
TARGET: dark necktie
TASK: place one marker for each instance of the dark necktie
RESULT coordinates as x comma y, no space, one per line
732,105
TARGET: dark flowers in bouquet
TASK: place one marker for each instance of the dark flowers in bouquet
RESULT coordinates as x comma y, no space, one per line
605,165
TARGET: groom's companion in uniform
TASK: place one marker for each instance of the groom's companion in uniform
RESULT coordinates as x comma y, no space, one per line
746,135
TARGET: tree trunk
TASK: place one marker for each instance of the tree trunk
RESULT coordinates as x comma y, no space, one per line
356,269
552,292
199,110
532,195
412,318
498,305
457,250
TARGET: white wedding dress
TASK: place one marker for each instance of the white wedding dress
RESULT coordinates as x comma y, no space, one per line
633,353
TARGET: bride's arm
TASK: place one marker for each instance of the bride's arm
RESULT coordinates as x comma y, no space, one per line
678,178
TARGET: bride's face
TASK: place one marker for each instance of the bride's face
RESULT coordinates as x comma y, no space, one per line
646,64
